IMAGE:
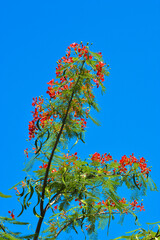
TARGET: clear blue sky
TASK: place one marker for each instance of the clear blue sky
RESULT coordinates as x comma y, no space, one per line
35,34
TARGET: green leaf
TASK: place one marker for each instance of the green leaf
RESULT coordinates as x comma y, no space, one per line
133,231
122,237
103,223
28,236
13,221
67,65
30,164
34,209
31,194
94,120
5,196
134,180
152,185
6,219
22,209
153,223
8,236
20,223
35,213
96,56
75,143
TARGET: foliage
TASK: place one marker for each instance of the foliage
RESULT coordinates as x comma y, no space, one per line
78,192
141,233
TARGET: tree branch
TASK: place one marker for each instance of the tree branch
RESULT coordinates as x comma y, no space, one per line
2,228
79,218
42,212
52,201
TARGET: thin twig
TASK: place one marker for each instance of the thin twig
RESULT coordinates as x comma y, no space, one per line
2,228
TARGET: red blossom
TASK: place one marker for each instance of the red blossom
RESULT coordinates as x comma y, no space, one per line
134,204
87,227
123,200
44,166
73,45
17,190
34,101
26,152
141,207
51,82
56,207
96,157
32,129
100,54
11,214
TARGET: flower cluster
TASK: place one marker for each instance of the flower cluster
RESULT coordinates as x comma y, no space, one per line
54,91
53,227
129,161
100,75
106,204
123,164
109,202
81,50
67,67
101,158
134,205
71,156
32,124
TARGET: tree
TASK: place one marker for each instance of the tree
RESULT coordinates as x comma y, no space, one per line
79,193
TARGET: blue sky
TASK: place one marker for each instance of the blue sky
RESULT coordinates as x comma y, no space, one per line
35,34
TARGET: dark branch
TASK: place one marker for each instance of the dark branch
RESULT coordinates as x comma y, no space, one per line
2,228
42,210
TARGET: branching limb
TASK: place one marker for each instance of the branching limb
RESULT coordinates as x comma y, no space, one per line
53,201
42,210
79,218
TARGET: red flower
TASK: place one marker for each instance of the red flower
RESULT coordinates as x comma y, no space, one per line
26,152
44,166
96,157
32,129
141,207
134,204
87,226
34,101
100,54
55,207
51,82
11,214
73,45
123,200
17,190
